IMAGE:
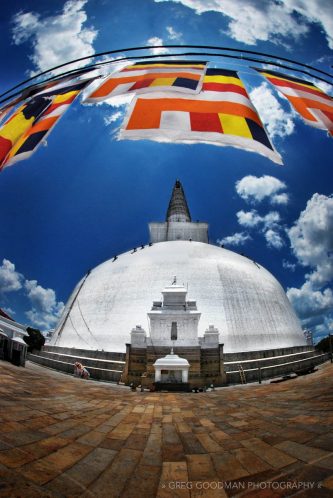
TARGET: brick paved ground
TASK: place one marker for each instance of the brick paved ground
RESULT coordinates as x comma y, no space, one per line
63,437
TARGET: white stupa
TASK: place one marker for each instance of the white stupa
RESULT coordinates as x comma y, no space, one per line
241,298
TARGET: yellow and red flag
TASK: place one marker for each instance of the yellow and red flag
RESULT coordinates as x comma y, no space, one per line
147,77
315,107
19,123
222,114
28,138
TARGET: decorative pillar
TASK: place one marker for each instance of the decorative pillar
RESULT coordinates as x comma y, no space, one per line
157,375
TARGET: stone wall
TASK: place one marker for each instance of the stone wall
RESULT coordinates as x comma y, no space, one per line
102,365
207,366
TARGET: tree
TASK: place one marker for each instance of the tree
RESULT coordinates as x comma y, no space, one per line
36,340
324,344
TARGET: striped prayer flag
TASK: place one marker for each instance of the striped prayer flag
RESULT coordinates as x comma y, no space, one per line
39,88
222,114
19,123
59,100
147,77
315,107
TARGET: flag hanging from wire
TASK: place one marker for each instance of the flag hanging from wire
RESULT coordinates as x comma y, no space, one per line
221,114
315,107
59,99
19,123
147,77
18,98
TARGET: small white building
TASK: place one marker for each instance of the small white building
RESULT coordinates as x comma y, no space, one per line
171,368
12,346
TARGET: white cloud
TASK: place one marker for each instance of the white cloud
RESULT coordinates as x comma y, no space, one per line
274,239
56,39
173,34
287,265
309,302
280,198
268,225
253,188
46,310
315,11
155,41
237,239
251,21
43,320
252,219
111,118
278,122
10,279
311,238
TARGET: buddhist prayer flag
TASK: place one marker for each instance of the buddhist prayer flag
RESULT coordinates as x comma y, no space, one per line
222,114
147,77
27,140
19,123
38,88
315,107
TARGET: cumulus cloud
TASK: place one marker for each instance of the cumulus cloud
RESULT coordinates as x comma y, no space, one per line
287,265
252,219
237,239
56,39
250,21
253,188
311,239
155,41
173,34
315,11
274,239
10,279
309,302
280,198
267,224
278,122
46,310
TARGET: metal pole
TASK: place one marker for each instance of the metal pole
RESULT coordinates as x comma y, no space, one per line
330,343
259,375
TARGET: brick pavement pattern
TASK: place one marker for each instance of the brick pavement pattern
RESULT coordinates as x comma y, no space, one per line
64,437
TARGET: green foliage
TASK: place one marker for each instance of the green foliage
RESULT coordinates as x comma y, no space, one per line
36,340
324,344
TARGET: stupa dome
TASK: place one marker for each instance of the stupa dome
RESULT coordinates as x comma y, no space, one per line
242,299
235,294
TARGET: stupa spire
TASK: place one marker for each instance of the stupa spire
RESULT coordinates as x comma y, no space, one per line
178,209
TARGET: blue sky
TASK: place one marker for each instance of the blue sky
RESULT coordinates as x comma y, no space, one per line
87,196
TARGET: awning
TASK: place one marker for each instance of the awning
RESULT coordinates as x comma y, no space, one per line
19,340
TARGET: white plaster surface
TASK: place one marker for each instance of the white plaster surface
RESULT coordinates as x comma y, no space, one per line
245,303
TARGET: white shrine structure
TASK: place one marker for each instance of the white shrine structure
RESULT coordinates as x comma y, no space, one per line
173,324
